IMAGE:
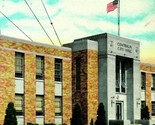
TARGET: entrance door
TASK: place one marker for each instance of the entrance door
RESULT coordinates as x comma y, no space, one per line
119,111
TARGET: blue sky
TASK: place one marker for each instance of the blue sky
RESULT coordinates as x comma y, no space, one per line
74,19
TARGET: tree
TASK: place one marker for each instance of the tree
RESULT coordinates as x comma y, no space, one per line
145,113
10,117
101,120
77,117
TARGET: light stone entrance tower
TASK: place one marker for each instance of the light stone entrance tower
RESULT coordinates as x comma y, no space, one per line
118,75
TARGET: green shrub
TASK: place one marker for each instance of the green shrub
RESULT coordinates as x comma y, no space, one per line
77,116
145,114
101,120
10,117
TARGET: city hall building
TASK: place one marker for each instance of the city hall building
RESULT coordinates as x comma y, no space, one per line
45,81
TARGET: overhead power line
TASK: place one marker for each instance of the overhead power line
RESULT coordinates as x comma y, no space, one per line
38,21
16,25
51,22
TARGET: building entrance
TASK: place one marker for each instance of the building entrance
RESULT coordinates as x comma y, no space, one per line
119,111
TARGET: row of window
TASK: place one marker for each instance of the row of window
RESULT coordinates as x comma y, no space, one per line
143,104
143,81
19,67
19,105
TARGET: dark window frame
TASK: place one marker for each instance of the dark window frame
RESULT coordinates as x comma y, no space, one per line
19,57
60,113
20,112
40,112
143,80
143,104
40,59
153,82
58,70
153,108
78,73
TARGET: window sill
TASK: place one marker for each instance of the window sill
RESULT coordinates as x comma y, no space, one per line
153,92
40,116
39,80
143,90
18,78
121,93
58,82
153,116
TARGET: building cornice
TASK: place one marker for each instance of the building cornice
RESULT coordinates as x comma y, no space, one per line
13,39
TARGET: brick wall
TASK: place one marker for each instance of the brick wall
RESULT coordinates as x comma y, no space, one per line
67,94
30,88
148,69
7,78
92,84
49,90
7,83
87,96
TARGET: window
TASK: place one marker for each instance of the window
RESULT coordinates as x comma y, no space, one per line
143,80
143,104
78,73
19,104
58,70
58,105
153,108
19,65
153,82
121,76
39,105
39,67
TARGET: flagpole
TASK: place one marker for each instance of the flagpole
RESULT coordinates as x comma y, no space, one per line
118,12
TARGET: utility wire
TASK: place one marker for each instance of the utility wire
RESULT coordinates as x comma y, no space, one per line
16,26
51,22
38,21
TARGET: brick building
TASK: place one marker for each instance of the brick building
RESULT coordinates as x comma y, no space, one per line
148,87
45,82
37,78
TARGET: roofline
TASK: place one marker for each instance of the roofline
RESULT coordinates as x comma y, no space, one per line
105,35
32,42
92,36
147,64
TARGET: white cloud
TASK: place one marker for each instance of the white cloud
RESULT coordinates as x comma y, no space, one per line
10,8
77,19
132,8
